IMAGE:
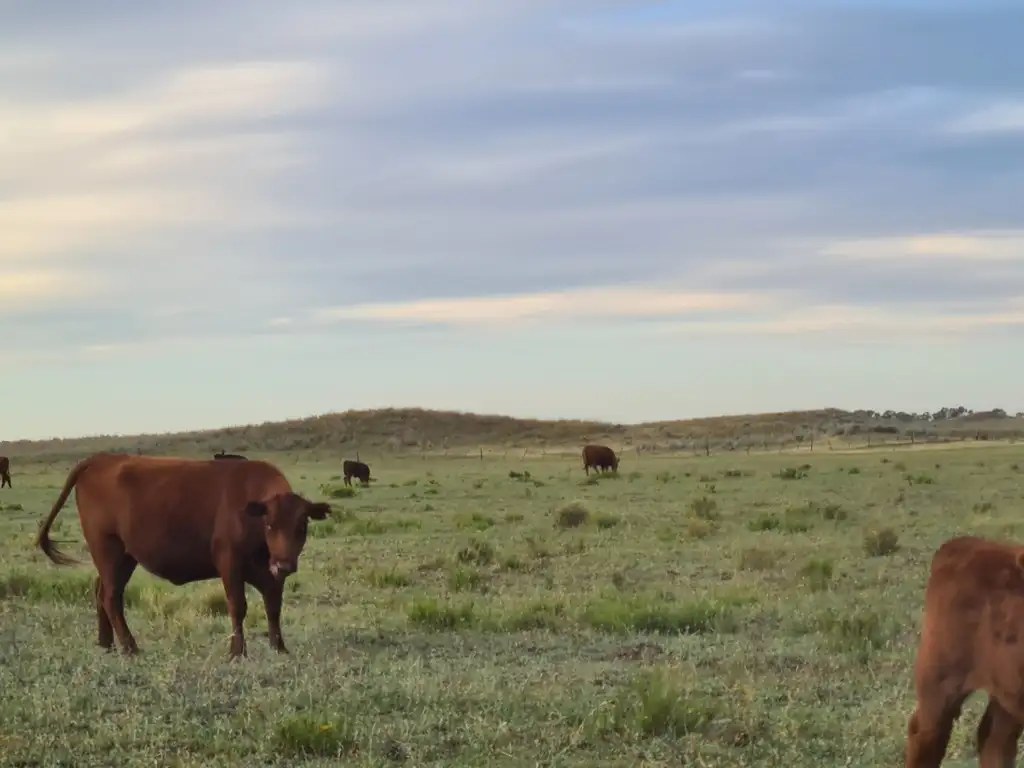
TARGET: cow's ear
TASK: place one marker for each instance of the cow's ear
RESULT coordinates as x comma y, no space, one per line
318,510
256,509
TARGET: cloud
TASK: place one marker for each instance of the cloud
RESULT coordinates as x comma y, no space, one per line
27,288
212,174
103,171
864,323
600,303
970,247
1001,117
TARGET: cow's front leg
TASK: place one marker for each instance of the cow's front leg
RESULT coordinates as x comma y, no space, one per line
234,590
272,590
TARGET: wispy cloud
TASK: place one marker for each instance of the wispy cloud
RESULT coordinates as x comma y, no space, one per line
970,247
593,303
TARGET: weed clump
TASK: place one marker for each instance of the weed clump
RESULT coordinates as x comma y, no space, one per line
758,559
475,521
817,574
337,491
793,473
431,613
309,736
389,578
658,704
572,515
465,579
882,541
645,615
704,508
477,551
538,615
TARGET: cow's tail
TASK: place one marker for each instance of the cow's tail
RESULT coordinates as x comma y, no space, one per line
43,539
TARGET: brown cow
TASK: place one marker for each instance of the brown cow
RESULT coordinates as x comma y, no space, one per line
972,639
186,520
5,472
599,456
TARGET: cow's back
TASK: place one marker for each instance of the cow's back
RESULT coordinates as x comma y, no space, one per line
594,454
165,510
974,608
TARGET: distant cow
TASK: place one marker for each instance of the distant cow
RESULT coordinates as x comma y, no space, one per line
5,472
356,469
186,520
972,639
599,457
221,455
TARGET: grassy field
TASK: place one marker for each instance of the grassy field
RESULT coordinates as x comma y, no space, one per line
723,611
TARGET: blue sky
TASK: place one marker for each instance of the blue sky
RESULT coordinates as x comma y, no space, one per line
228,212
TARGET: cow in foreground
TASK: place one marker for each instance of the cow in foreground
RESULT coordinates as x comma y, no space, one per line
972,639
356,469
220,455
186,520
599,457
5,472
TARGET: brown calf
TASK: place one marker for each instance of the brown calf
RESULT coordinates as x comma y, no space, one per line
599,456
972,639
184,521
5,472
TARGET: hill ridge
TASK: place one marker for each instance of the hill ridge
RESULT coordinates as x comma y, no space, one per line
411,429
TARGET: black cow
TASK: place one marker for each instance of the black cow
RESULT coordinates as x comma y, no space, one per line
599,457
236,456
356,469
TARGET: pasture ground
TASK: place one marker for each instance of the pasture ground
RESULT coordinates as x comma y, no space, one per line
723,611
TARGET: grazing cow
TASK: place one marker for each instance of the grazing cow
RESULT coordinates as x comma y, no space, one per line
236,456
972,639
356,469
186,520
599,457
5,472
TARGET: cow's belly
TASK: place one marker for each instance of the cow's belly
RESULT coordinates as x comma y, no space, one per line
179,573
179,559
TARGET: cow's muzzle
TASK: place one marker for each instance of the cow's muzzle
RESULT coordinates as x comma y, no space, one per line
281,568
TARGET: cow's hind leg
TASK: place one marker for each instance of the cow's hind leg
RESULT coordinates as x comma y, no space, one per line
106,630
930,727
116,568
272,591
998,733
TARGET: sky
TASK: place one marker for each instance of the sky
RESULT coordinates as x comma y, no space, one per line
227,212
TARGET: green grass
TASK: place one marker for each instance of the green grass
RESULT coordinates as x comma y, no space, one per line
726,611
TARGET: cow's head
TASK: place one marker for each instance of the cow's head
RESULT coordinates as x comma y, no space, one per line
285,517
